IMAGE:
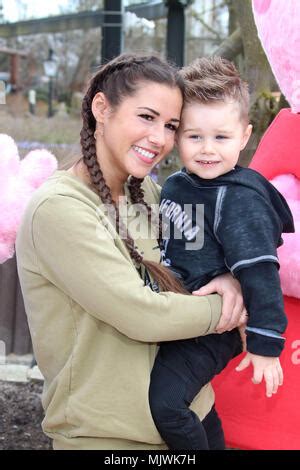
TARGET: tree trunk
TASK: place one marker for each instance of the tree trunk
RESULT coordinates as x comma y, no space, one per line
257,69
258,74
233,22
90,46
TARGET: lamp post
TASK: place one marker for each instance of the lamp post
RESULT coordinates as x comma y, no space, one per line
50,67
176,30
112,30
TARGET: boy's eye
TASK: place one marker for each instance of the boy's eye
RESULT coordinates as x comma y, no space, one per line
171,127
147,117
220,137
195,137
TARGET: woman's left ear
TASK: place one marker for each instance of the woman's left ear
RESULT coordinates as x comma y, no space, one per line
246,137
100,106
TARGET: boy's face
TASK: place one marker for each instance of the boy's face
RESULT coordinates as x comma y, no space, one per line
211,137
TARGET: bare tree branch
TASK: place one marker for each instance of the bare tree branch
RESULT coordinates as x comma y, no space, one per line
231,46
215,7
199,18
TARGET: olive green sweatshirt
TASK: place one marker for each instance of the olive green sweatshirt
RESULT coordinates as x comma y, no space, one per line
93,322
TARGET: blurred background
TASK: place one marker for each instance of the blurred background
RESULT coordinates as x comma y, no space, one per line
48,51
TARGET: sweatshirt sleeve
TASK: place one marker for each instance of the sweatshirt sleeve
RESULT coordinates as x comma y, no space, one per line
77,253
249,230
264,302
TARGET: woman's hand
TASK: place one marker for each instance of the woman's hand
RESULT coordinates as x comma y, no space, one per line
233,310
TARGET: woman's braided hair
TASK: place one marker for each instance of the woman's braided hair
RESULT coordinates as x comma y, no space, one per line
117,79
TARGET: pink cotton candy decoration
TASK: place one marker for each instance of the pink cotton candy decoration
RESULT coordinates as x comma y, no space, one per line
278,26
261,6
288,185
18,180
37,166
289,252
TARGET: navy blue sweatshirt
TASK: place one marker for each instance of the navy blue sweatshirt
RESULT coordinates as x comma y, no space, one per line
230,223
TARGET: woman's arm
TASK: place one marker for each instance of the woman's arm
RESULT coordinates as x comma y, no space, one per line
76,253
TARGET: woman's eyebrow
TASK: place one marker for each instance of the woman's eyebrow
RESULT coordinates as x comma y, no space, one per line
149,109
156,113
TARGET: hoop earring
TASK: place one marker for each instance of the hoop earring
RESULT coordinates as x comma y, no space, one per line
99,131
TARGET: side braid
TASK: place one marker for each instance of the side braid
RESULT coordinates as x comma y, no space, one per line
116,80
166,280
98,181
137,197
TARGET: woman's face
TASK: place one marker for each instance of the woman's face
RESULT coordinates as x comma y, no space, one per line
139,132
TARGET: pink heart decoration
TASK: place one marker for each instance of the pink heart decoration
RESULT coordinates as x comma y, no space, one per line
278,26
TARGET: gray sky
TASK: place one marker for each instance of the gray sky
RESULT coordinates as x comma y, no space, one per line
34,8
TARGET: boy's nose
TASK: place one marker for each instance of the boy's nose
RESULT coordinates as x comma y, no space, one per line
207,146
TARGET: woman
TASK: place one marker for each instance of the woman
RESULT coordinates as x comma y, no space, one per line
94,323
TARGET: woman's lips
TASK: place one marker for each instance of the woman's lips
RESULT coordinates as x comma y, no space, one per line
142,154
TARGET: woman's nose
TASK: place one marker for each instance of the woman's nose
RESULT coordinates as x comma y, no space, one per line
157,136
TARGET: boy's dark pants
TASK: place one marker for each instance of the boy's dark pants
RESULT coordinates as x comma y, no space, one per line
180,370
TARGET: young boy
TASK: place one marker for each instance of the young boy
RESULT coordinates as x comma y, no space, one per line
244,217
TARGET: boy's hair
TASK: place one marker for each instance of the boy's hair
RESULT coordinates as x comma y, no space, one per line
213,79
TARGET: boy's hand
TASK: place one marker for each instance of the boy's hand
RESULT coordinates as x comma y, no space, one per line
268,368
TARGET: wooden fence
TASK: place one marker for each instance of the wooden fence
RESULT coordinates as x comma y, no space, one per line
14,330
